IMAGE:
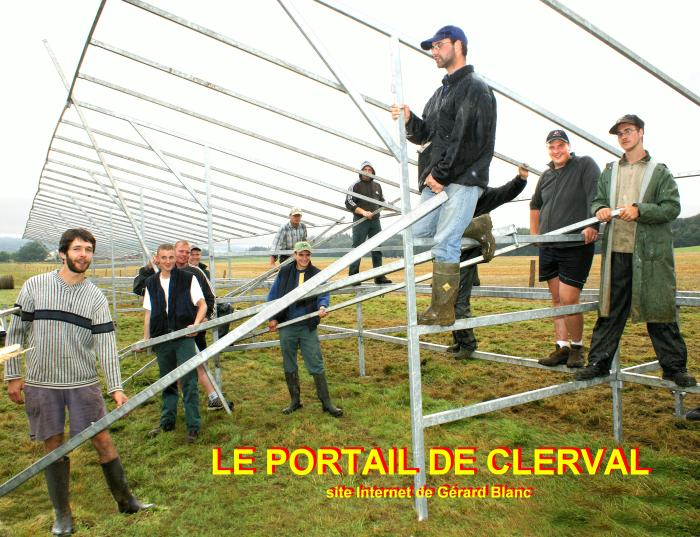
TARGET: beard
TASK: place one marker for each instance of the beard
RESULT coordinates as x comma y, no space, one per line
73,268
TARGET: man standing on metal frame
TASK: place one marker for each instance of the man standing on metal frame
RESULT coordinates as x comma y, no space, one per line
457,134
563,196
638,278
66,322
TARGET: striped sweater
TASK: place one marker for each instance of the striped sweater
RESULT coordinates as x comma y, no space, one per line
69,326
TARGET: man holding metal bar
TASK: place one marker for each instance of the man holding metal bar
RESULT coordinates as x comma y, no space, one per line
302,335
174,301
66,322
457,135
638,278
371,225
563,196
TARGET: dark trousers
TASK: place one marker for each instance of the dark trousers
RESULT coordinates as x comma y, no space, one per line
201,340
463,310
360,233
665,337
170,355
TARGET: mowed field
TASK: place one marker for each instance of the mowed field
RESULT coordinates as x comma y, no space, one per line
192,501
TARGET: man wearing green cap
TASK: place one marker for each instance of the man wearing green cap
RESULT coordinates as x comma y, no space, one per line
302,334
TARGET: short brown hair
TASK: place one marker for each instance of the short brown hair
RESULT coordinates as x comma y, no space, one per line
165,246
70,235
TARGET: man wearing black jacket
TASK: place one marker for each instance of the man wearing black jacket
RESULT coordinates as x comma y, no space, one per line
302,335
457,134
174,301
465,342
360,209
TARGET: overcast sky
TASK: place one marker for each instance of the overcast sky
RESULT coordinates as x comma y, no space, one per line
521,44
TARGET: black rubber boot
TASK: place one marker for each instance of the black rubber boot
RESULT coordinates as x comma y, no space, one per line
382,280
445,287
58,481
479,229
294,392
118,486
322,391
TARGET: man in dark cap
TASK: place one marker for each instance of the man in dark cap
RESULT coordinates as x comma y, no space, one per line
457,134
562,197
360,208
637,274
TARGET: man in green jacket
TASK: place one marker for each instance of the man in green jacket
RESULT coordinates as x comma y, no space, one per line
637,276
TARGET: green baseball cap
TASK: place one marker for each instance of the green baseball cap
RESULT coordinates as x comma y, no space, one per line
302,245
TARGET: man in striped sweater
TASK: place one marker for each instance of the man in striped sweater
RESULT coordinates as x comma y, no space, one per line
66,323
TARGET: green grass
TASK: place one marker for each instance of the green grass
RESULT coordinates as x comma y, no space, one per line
191,501
688,249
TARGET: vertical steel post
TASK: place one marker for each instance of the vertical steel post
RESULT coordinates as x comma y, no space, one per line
212,266
143,224
414,374
228,273
111,244
360,340
679,396
616,386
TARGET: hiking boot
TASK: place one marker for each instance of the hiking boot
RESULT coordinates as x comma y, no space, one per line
693,415
681,378
575,356
192,436
217,404
382,280
479,229
444,295
453,349
160,429
560,355
463,353
591,372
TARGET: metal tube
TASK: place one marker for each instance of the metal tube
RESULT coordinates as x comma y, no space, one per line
414,372
619,47
360,340
616,387
114,288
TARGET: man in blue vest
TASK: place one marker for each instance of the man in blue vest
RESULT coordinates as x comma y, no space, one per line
174,300
302,334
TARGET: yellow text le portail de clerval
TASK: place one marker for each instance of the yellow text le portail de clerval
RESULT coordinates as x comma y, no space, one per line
440,461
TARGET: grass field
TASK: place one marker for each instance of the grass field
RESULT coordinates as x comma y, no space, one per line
191,501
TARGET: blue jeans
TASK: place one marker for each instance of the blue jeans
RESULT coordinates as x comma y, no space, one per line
447,223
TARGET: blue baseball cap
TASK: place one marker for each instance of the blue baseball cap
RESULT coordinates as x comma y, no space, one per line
446,32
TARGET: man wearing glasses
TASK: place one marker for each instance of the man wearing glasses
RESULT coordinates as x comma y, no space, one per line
457,135
637,275
303,334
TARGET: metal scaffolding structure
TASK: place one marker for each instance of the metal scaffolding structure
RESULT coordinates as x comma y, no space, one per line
211,162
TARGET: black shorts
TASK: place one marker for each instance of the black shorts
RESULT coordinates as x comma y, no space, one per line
570,265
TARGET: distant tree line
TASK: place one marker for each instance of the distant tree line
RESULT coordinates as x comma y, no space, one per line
29,253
